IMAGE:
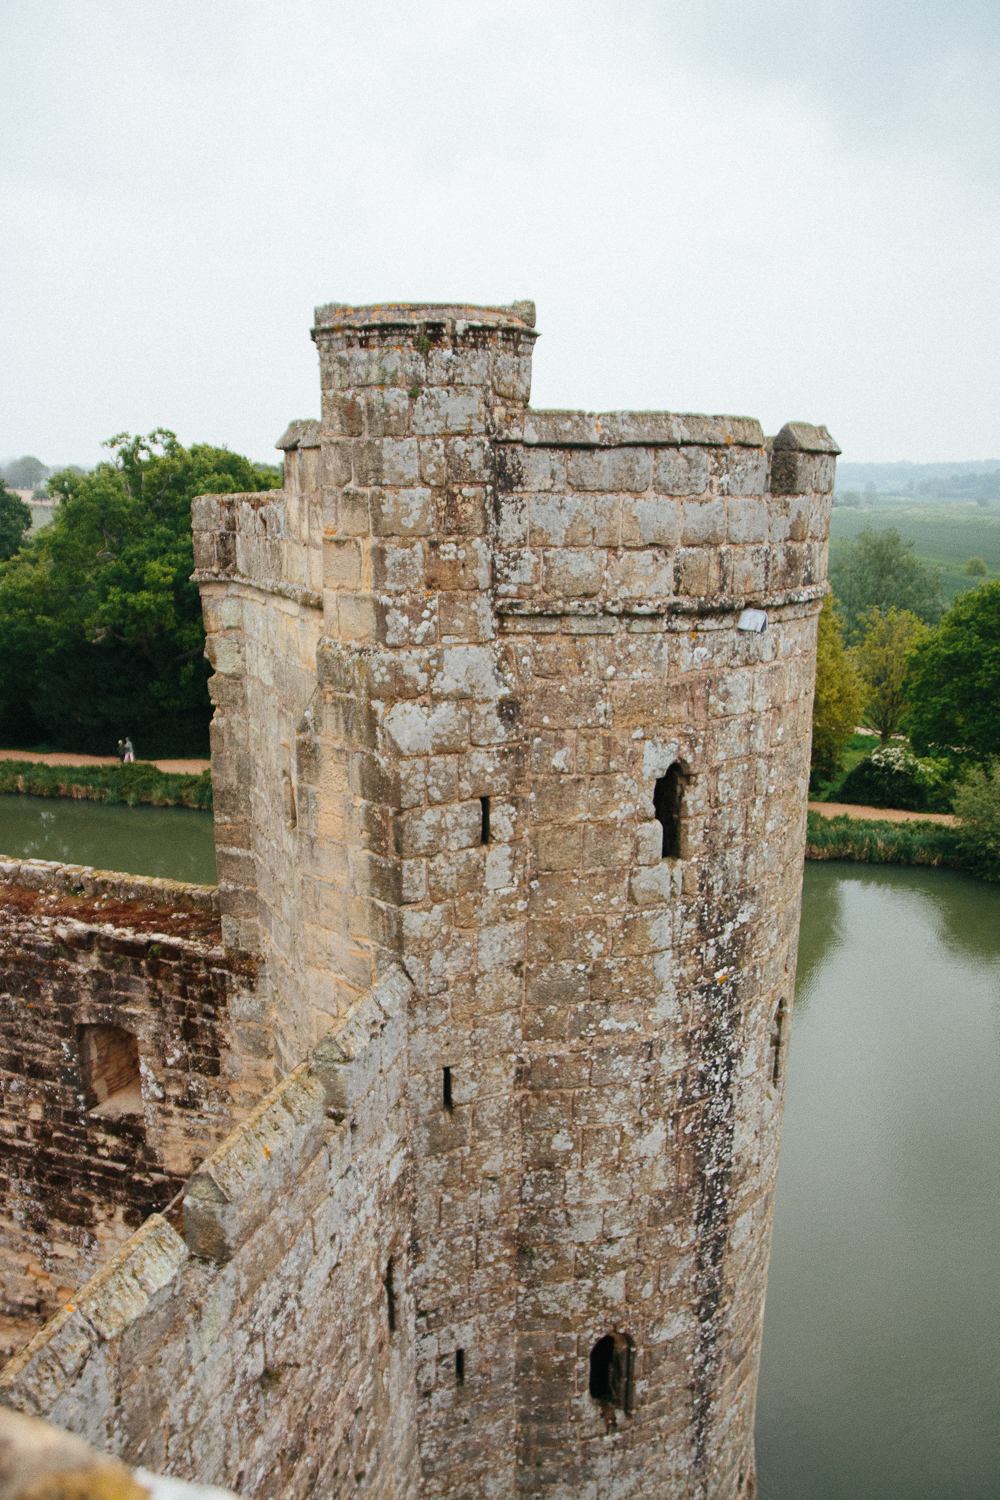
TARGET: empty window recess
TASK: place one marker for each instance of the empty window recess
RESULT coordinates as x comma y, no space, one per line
459,1366
484,834
612,1371
668,794
446,1090
109,1062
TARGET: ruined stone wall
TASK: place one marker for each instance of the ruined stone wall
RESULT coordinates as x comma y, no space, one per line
84,956
271,1349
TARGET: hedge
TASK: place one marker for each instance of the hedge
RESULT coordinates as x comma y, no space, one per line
137,782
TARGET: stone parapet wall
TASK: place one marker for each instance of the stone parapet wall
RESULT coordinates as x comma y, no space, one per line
140,960
259,1349
83,880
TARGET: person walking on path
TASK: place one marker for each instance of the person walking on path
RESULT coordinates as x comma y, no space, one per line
121,751
129,751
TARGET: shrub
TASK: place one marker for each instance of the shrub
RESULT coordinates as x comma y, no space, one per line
895,778
977,803
976,568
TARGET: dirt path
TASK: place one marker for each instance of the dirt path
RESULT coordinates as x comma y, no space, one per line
885,814
189,767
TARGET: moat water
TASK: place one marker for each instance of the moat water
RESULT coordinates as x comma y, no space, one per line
880,1375
175,842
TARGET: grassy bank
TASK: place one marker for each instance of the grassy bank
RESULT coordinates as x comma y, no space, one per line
878,842
139,782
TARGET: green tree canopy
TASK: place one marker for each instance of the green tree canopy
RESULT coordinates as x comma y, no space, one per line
879,570
15,521
881,660
976,568
954,679
101,632
839,699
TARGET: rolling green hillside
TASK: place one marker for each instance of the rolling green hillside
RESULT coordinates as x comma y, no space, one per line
944,535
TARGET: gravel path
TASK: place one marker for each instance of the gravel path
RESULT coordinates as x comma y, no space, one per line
886,814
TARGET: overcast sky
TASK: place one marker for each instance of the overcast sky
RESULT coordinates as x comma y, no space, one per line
787,210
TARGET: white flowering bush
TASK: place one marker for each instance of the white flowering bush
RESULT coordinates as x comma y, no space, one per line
894,777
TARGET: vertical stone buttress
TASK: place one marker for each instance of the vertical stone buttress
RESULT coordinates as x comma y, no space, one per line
487,646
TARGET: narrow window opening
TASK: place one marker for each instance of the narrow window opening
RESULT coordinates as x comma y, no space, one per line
777,1037
667,797
459,1366
390,1297
612,1371
109,1058
600,1368
484,836
446,1091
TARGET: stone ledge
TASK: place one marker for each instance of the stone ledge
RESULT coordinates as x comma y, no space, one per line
43,874
332,317
622,429
714,604
304,433
308,598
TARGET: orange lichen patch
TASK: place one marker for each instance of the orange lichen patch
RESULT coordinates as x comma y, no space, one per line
137,916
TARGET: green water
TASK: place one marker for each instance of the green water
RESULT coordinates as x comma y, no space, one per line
176,842
880,1374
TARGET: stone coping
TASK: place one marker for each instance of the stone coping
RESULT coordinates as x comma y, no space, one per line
44,874
334,315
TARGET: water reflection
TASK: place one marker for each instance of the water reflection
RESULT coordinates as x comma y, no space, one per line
881,1364
821,927
176,842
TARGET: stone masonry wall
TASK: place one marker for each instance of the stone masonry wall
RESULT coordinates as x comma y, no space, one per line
81,949
453,662
271,1349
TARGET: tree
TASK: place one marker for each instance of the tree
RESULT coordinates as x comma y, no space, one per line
880,570
977,803
976,568
15,521
839,699
100,626
881,661
25,473
954,679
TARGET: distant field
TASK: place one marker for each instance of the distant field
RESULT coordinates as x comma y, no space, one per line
946,534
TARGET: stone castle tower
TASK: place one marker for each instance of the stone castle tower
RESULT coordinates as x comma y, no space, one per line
450,1160
520,701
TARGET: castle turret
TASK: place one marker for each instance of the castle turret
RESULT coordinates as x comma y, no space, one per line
521,701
